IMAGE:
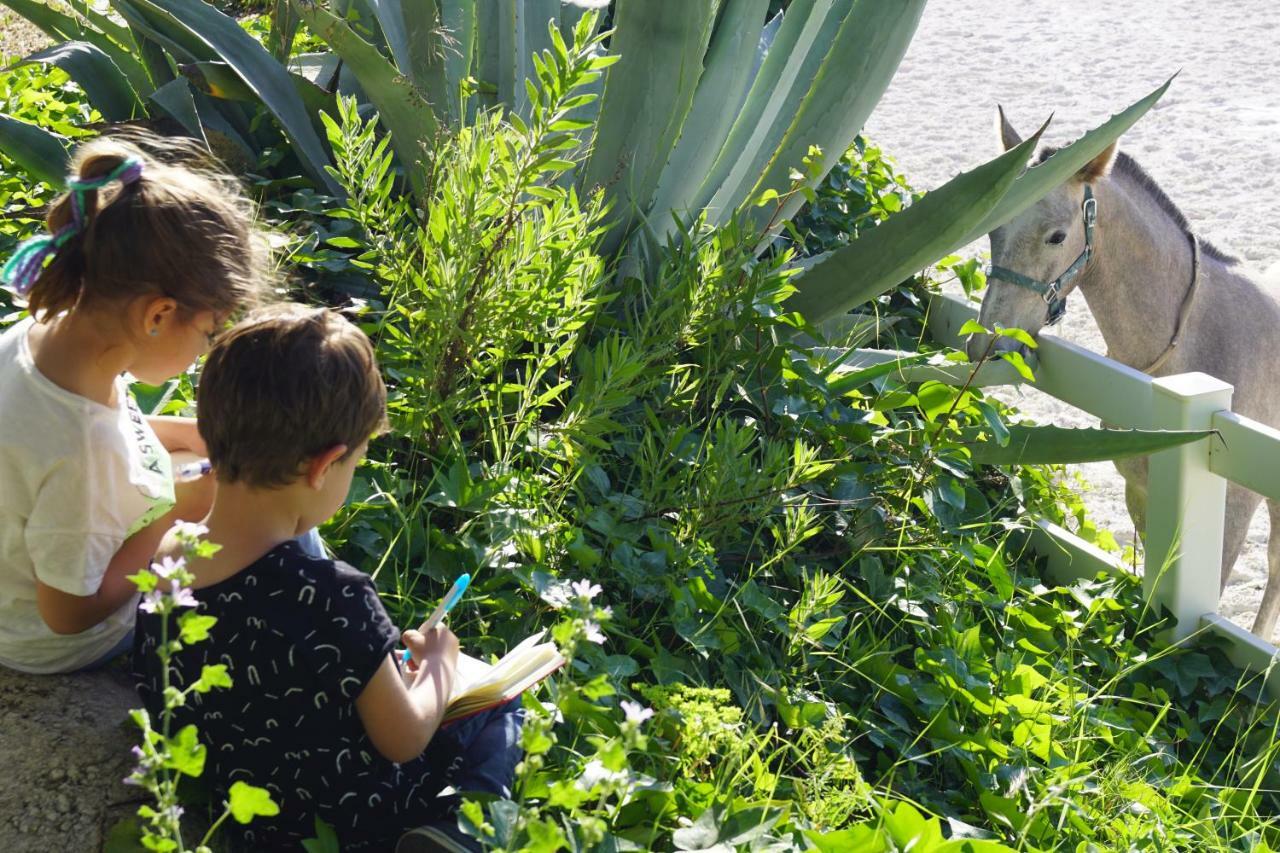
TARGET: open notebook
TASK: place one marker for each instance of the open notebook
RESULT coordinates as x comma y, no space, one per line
479,685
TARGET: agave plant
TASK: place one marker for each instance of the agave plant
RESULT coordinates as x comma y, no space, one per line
710,108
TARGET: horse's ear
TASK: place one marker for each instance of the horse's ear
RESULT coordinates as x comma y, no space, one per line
1098,167
1009,137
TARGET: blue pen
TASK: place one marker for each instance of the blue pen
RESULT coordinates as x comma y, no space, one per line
454,596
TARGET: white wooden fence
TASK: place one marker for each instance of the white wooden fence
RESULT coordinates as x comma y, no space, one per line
1187,485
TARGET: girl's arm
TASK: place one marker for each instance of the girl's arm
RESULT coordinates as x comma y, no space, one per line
177,434
65,613
400,720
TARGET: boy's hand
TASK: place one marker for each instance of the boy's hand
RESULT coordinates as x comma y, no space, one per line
439,645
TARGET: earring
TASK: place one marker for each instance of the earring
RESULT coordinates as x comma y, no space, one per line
155,332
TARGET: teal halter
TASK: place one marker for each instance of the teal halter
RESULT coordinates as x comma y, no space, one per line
1054,293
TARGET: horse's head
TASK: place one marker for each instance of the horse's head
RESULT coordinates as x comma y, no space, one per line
1035,255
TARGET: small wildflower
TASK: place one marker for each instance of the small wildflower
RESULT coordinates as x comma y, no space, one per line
151,601
168,566
586,590
588,4
592,632
182,596
189,530
557,595
636,713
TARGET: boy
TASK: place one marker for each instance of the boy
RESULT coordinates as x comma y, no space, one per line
320,713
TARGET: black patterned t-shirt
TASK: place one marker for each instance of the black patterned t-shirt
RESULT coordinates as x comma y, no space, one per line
301,637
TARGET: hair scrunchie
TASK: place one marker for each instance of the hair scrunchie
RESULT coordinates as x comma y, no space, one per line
23,269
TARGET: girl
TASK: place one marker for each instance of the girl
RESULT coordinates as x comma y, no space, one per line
143,263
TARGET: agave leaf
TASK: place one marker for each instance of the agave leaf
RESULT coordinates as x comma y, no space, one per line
458,20
219,80
401,107
175,100
735,47
647,95
1039,180
906,241
413,32
284,28
267,77
103,82
853,77
750,147
39,152
787,28
165,30
1054,445
56,25
533,36
318,68
60,26
488,64
117,41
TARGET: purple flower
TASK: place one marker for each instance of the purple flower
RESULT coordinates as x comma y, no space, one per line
151,601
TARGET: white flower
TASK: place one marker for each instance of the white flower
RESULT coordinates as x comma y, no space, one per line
588,4
592,632
636,713
189,530
586,590
168,566
557,595
182,596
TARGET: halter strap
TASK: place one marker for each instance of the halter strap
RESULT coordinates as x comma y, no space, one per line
1054,293
1187,301
26,264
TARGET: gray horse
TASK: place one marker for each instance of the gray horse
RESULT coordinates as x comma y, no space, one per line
1165,302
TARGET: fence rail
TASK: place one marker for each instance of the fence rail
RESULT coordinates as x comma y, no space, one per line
1186,485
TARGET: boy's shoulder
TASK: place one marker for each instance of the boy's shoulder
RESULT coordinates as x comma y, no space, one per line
287,579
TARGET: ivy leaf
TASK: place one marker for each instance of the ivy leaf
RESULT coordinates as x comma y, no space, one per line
195,627
213,675
248,801
326,840
185,752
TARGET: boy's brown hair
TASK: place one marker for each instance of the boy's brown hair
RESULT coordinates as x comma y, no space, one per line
284,385
182,229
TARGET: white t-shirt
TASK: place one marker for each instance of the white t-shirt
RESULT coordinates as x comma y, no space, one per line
77,478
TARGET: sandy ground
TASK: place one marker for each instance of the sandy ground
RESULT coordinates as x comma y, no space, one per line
1213,141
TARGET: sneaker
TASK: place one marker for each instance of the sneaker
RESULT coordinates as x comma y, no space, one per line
438,838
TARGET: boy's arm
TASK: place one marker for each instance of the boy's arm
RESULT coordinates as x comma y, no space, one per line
65,613
401,721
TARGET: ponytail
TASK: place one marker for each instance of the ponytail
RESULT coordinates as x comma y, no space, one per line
129,225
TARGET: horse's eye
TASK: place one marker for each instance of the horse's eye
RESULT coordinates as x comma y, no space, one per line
1056,237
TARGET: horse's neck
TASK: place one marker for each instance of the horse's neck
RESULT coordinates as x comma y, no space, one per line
1139,274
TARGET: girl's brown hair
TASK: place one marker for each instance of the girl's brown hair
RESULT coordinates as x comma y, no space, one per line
182,230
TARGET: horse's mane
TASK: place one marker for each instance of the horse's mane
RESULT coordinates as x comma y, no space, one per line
1127,166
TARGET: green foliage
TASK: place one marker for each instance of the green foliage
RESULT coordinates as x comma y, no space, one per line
830,608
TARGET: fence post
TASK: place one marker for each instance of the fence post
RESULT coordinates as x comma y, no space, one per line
1186,503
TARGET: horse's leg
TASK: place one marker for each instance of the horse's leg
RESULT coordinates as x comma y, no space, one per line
1134,472
1264,626
1241,505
